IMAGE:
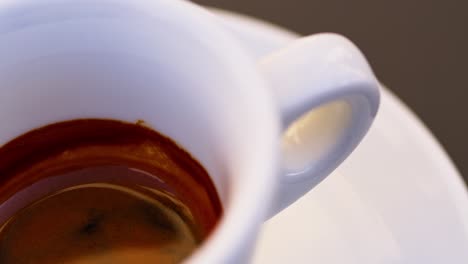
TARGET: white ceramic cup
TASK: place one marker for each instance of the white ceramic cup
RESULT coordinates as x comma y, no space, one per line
267,132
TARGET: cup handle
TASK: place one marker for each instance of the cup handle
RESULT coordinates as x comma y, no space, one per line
328,97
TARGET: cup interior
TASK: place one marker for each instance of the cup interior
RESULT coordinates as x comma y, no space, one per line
175,70
119,68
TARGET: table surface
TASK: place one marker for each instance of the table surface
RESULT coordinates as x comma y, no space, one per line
419,49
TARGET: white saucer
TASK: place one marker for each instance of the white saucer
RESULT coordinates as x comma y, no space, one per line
406,204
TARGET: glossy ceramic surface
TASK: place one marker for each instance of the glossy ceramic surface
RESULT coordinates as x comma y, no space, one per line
397,199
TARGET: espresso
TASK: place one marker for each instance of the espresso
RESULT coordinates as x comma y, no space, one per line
103,191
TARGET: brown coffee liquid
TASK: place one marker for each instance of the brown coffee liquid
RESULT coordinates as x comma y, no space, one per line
130,195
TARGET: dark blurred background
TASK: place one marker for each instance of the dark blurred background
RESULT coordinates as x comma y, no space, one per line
418,49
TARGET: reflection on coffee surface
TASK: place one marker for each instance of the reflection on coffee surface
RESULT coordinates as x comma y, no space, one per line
99,223
115,193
